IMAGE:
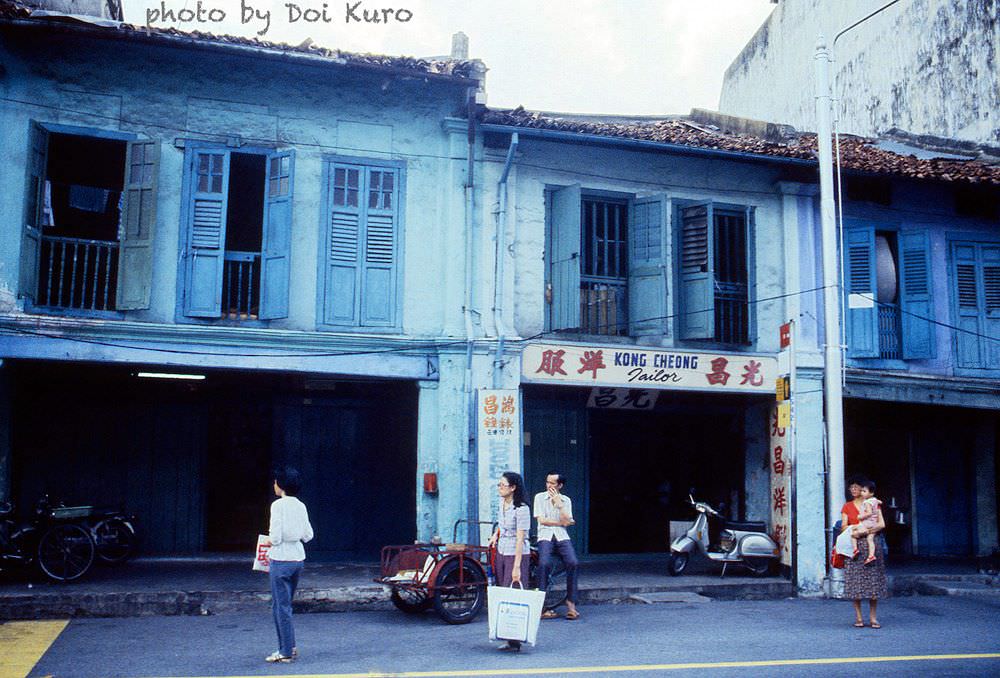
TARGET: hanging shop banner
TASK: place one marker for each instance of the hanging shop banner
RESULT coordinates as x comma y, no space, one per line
608,398
780,459
648,369
498,441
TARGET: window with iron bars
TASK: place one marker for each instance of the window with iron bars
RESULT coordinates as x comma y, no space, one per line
732,300
604,266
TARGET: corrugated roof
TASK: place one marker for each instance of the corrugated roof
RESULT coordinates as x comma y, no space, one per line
857,154
463,69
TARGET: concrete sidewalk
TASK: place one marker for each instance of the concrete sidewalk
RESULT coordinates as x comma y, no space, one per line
222,584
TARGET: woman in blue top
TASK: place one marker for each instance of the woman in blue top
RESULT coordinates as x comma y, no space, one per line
511,537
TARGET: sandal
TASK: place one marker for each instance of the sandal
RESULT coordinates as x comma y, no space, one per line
859,624
549,614
870,559
876,625
572,614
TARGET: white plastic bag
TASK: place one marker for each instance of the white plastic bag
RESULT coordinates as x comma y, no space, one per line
843,545
514,613
261,561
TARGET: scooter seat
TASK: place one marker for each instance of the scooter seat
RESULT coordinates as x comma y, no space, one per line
746,526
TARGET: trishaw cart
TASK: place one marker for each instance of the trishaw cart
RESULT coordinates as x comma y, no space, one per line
450,577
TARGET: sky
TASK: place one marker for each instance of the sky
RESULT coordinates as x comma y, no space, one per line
635,57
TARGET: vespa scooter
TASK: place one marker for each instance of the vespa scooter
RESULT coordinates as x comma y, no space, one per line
746,543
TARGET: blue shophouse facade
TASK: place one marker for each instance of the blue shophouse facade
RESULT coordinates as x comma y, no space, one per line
282,226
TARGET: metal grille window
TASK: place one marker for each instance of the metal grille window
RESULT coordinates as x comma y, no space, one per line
604,266
732,301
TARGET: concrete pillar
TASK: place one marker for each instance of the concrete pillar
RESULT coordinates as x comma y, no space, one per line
810,486
984,456
427,458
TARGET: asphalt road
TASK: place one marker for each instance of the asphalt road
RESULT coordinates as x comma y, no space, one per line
738,638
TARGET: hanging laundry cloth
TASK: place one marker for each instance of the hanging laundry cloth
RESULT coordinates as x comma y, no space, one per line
48,217
88,198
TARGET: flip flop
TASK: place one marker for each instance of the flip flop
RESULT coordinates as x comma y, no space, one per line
549,614
876,625
859,624
572,614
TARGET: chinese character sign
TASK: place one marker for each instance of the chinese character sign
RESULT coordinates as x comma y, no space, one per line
780,464
645,369
606,397
498,439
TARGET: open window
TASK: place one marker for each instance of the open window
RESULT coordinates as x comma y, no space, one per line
238,234
90,216
714,277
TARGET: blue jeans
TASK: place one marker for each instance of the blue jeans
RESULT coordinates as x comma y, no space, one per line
565,550
284,577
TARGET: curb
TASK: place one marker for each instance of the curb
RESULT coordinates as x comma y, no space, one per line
339,599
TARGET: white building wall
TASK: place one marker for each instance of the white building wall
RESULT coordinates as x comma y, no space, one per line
924,66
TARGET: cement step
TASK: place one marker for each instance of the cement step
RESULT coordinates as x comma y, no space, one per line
940,588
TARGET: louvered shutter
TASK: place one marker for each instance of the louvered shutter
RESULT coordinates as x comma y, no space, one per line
137,225
916,298
991,306
208,182
862,309
378,281
564,259
31,241
697,272
277,235
341,275
968,320
647,281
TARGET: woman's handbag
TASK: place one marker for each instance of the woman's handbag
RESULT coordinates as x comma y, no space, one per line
836,560
514,614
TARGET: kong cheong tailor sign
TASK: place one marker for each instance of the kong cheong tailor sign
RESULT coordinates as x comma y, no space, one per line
632,367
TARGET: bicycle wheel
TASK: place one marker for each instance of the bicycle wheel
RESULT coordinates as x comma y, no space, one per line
555,592
65,552
114,540
410,601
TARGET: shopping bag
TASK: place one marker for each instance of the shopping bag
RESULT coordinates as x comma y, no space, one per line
514,613
261,561
843,546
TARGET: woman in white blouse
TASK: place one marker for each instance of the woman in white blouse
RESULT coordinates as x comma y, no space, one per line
289,530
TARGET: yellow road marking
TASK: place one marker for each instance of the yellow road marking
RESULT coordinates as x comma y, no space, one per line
556,670
22,644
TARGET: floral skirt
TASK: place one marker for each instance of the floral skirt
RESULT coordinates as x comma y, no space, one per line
865,581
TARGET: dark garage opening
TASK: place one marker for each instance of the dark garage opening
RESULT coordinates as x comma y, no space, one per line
193,459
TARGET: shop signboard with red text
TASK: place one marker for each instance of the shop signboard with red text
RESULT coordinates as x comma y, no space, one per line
640,368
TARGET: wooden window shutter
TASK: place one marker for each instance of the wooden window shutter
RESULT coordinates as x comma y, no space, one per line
137,225
208,189
647,280
564,258
344,232
381,244
916,300
697,272
31,241
862,307
277,236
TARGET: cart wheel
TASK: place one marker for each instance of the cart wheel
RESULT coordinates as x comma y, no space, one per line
411,601
459,603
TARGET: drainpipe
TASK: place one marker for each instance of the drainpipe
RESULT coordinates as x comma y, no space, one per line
498,285
471,479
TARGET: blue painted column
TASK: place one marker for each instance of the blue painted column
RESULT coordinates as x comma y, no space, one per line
427,458
810,487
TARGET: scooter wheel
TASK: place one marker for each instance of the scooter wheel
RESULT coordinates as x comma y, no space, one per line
677,563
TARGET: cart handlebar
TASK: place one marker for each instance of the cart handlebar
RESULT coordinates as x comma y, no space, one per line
454,533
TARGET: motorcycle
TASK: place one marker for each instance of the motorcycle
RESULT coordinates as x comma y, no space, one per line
723,540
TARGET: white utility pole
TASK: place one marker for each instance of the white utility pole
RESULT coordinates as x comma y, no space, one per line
833,394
